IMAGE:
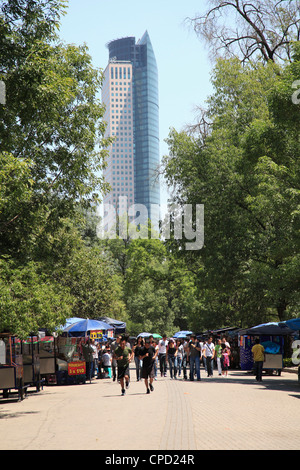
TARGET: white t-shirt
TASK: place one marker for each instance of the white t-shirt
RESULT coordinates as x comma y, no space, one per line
106,359
162,346
209,349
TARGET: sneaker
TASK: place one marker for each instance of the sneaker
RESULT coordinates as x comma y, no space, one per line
151,387
123,393
148,390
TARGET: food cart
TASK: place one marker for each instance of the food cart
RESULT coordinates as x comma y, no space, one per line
31,362
71,367
11,366
271,336
47,353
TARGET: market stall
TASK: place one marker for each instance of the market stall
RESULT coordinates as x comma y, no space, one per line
71,363
118,326
294,324
271,336
11,366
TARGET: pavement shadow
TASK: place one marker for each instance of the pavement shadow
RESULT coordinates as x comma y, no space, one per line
5,415
119,395
276,383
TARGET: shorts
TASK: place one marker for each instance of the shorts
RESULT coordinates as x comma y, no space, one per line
123,371
148,372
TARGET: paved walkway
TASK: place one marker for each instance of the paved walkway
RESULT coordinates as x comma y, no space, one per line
217,413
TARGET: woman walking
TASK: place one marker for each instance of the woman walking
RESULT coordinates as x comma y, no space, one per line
171,356
225,359
137,352
179,357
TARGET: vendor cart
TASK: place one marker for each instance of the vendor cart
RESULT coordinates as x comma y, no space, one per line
11,366
271,337
70,365
47,353
31,363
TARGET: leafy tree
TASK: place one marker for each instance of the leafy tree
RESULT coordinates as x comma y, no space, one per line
158,289
52,151
52,119
30,300
246,172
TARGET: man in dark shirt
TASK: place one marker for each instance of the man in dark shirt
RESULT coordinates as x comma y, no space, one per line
148,355
194,357
123,356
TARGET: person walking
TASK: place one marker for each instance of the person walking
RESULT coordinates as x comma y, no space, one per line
203,357
148,356
218,356
185,358
114,345
106,362
155,345
258,352
194,355
88,352
123,355
95,357
179,356
137,352
209,353
162,351
171,356
225,359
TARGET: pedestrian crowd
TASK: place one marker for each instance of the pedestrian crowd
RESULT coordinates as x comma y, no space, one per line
151,356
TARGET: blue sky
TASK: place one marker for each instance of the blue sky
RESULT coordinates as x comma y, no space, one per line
182,59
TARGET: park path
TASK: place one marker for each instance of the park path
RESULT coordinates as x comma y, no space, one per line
233,413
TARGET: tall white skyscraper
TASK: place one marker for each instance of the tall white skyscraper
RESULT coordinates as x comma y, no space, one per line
130,94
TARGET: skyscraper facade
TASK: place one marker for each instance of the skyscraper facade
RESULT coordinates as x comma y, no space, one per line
130,93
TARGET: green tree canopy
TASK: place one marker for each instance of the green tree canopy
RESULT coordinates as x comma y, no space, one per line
246,172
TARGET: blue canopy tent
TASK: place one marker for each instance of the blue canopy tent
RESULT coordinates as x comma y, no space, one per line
294,324
182,334
271,328
144,335
71,321
82,327
119,326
